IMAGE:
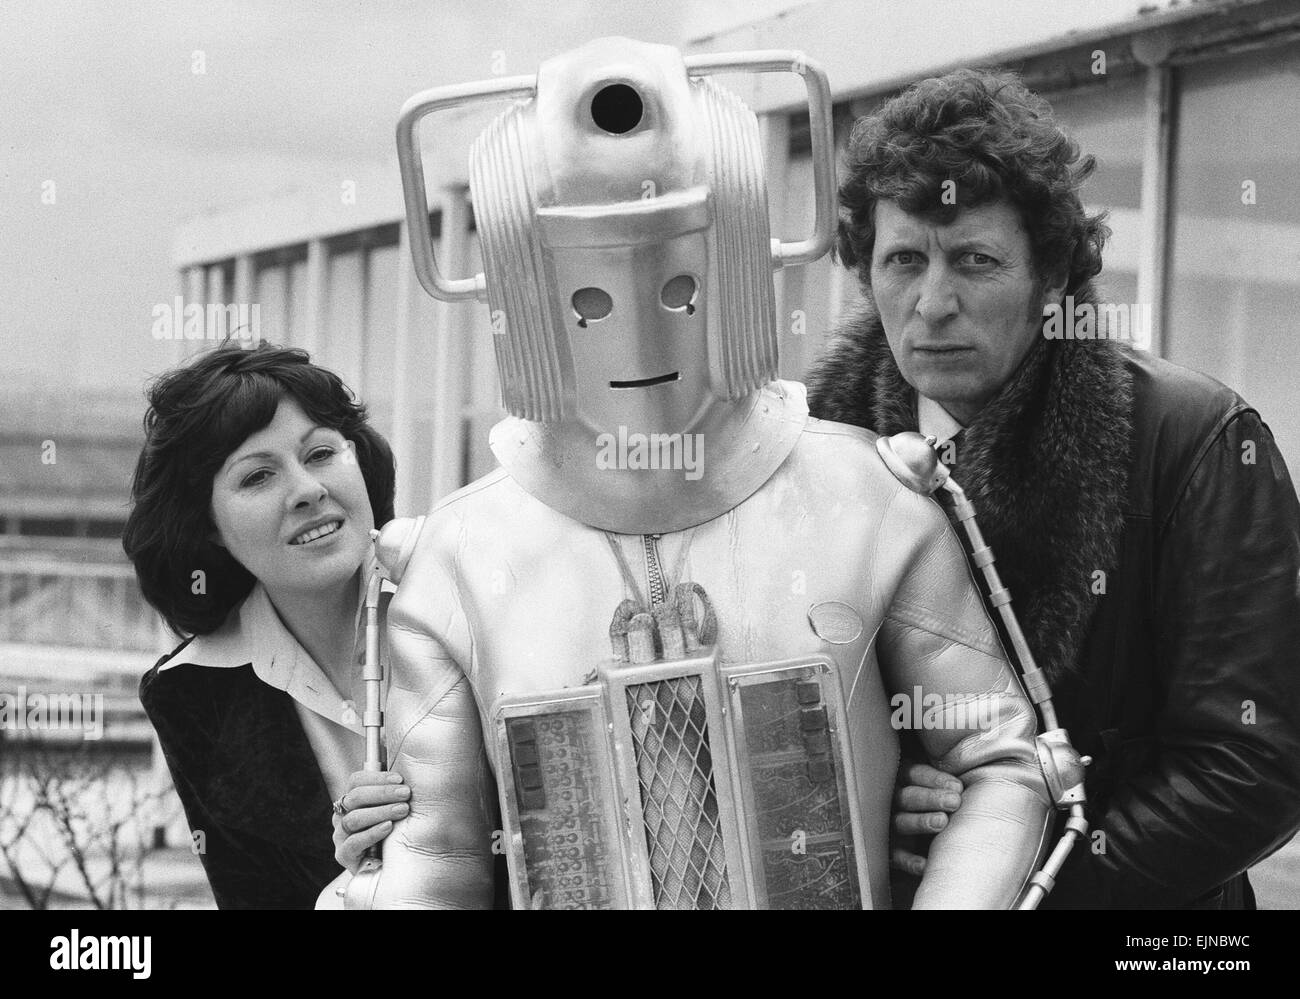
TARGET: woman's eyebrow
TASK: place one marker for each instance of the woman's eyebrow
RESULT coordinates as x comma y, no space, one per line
232,461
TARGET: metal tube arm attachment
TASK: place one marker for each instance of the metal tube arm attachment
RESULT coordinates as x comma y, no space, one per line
915,462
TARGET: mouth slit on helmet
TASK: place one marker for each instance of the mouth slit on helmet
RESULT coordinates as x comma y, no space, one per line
646,382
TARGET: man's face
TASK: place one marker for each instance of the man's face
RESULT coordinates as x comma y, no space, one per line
960,303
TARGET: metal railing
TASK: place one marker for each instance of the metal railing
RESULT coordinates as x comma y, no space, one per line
46,599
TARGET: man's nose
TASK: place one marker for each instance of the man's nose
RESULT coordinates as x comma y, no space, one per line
938,300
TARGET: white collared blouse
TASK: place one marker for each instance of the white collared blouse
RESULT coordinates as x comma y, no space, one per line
331,719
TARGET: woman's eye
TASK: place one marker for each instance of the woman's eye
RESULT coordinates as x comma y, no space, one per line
255,478
904,257
322,454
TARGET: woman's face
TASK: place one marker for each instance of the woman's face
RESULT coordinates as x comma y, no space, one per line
290,504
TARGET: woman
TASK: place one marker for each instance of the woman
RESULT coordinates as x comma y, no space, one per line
253,502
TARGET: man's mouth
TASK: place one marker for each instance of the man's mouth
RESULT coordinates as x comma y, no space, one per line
647,382
316,533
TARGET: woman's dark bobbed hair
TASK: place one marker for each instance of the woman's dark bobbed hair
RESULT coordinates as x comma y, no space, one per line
198,414
984,131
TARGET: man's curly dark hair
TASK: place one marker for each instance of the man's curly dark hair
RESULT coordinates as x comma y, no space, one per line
984,130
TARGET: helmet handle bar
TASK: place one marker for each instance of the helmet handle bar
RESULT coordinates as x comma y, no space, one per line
784,254
820,116
411,162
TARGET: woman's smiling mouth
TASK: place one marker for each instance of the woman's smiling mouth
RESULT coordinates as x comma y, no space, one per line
316,533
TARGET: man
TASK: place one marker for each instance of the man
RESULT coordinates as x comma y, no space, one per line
678,664
1140,513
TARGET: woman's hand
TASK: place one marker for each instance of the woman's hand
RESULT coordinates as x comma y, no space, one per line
923,798
374,801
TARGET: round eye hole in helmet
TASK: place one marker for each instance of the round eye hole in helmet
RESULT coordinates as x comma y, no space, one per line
679,294
591,305
617,108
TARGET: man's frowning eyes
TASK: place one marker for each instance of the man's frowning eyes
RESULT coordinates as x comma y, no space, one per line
965,258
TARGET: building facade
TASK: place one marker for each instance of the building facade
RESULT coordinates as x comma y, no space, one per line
1185,106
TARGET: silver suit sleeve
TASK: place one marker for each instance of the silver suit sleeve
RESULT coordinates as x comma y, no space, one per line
941,652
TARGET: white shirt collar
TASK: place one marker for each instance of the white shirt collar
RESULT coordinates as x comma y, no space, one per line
254,634
933,419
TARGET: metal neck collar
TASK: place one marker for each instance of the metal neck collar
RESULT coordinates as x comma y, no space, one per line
632,483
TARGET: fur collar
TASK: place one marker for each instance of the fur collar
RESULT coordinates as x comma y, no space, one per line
1046,464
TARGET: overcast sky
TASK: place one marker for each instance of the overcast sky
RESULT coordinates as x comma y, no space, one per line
102,100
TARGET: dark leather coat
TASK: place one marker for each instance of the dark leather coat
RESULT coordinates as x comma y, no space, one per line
248,781
1189,693
1149,532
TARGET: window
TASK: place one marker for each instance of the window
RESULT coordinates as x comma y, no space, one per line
48,527
1234,292
380,328
278,284
338,345
1108,122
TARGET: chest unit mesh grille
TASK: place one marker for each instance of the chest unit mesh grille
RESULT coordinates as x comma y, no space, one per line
670,738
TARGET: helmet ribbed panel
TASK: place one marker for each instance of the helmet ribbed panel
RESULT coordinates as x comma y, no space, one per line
745,341
504,211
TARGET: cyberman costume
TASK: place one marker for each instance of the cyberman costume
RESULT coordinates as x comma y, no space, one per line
682,621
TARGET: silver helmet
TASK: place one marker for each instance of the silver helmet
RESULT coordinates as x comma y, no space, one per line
627,252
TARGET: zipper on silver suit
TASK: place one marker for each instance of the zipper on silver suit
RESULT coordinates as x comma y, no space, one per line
654,571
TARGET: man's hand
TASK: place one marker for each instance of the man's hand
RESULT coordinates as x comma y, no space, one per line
923,799
373,802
